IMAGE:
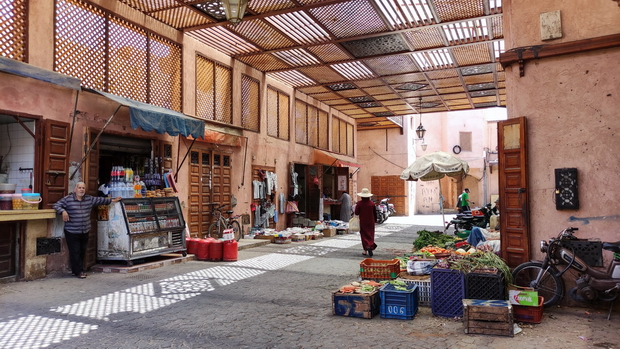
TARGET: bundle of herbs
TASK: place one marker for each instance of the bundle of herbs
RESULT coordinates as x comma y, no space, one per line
481,260
433,238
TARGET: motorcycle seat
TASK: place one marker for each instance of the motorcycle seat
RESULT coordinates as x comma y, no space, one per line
612,246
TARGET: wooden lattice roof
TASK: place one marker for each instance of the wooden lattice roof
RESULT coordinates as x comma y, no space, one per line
370,59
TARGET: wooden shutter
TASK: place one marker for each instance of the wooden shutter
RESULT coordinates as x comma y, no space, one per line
55,162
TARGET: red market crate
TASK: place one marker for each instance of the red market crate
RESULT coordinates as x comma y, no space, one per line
372,269
532,315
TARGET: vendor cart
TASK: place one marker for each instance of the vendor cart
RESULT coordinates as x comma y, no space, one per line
138,228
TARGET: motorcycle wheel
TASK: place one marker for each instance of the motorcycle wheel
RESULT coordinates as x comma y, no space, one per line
549,286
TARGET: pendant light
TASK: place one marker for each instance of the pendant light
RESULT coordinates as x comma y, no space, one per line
420,131
234,9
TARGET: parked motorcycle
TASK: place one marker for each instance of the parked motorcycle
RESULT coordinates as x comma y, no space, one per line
466,221
390,207
382,212
546,276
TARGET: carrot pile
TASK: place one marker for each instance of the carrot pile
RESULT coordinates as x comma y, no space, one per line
434,249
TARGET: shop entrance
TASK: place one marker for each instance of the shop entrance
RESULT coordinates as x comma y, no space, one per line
210,182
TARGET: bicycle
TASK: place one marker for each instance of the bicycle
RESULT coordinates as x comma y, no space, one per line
216,229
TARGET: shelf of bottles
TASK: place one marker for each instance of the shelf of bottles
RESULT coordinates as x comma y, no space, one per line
129,183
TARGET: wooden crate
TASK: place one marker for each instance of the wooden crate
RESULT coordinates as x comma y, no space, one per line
492,317
364,305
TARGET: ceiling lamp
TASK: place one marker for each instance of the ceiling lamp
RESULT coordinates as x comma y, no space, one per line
420,131
234,9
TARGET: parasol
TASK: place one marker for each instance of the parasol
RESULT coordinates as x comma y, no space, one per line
435,166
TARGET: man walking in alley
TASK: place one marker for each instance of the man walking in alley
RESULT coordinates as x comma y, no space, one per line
464,201
75,209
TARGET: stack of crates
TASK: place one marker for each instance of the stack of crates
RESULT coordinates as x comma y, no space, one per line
398,304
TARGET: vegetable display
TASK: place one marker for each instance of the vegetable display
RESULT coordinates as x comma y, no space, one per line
433,238
479,260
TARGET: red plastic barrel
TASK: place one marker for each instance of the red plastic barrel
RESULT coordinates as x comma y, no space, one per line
216,250
231,250
191,245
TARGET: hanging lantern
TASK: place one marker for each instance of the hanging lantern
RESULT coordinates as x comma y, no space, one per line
234,9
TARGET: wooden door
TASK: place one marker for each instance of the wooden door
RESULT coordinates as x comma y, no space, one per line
210,182
91,178
7,248
55,162
513,187
313,192
390,187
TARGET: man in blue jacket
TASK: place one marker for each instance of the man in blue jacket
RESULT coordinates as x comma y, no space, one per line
75,209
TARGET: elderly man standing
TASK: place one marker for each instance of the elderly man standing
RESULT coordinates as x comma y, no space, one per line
75,209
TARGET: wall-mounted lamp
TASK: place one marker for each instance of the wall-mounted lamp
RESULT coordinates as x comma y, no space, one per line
234,9
424,145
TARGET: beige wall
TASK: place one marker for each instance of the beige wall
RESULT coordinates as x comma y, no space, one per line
571,104
387,152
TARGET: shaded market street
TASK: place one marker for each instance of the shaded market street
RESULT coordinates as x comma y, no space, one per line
274,296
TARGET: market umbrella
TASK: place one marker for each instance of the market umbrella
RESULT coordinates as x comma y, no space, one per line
435,166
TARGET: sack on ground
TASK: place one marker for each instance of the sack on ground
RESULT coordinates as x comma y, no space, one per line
354,224
420,267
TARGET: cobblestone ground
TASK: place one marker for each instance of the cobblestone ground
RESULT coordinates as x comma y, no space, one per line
274,296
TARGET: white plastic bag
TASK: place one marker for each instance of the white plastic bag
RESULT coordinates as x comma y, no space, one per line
354,224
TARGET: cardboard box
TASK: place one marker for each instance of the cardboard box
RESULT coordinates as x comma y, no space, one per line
329,232
525,296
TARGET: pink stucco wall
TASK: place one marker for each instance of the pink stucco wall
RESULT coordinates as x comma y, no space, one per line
571,104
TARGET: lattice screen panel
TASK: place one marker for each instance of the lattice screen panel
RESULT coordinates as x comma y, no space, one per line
223,94
205,85
128,60
213,90
335,135
350,138
301,123
250,103
284,115
323,129
13,30
165,74
343,137
313,126
272,112
80,43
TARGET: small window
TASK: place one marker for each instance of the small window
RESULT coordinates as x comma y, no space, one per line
465,141
206,159
226,161
194,157
216,160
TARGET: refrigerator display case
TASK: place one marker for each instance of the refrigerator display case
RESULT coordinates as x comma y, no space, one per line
138,228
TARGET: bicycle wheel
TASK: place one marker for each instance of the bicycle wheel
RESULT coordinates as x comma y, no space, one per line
216,230
549,285
236,227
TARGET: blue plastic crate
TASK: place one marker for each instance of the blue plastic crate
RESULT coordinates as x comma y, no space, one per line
485,286
397,304
447,292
